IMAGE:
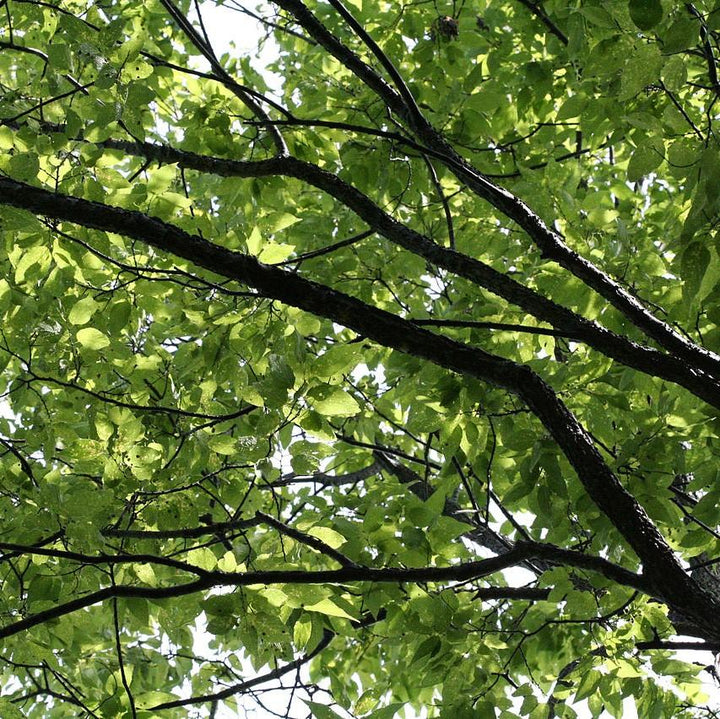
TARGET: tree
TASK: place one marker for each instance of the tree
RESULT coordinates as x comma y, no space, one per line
389,367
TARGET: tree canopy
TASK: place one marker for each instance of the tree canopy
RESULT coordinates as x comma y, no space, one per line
384,374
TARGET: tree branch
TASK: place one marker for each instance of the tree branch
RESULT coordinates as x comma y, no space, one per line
536,9
661,566
308,539
631,354
674,646
241,687
326,480
501,326
458,573
220,528
550,243
207,52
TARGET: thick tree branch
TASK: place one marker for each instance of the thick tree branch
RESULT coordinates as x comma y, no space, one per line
645,359
500,326
550,243
459,573
661,566
676,645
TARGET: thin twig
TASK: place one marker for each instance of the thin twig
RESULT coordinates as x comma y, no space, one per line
118,651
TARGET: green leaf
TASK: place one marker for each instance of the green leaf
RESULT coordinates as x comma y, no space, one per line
329,608
321,711
674,73
37,255
24,166
337,360
203,557
11,711
682,34
254,241
302,630
694,264
335,402
92,338
388,712
223,444
146,574
282,221
228,563
644,160
645,13
329,536
82,311
44,588
275,252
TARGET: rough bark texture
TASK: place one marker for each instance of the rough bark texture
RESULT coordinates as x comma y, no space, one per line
661,567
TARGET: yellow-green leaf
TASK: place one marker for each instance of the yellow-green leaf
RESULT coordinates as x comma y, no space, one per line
337,403
92,338
329,608
223,444
83,310
329,536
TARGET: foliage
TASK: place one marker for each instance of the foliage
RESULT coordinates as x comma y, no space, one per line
390,365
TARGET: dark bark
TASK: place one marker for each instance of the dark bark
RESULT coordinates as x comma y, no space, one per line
550,243
629,353
661,568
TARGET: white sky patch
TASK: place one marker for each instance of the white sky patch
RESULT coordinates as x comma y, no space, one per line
238,34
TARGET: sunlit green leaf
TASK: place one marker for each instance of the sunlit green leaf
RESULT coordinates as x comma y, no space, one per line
336,403
92,338
83,310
